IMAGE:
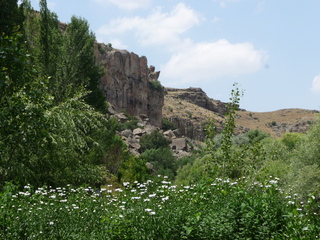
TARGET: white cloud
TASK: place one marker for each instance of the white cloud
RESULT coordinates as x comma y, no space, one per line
127,4
316,84
207,61
223,3
158,28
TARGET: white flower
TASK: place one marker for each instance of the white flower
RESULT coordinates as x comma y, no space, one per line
152,195
135,198
148,210
126,184
165,198
121,215
152,213
146,200
118,190
273,181
51,223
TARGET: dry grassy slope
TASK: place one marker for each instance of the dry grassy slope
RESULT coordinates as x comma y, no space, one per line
275,123
278,122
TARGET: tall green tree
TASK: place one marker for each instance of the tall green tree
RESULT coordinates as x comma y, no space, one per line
78,66
50,40
11,15
23,102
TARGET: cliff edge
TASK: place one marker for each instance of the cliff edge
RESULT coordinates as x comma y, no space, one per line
129,84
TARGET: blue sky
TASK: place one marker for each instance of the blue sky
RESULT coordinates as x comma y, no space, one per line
271,47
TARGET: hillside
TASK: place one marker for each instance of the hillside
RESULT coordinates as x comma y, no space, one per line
191,108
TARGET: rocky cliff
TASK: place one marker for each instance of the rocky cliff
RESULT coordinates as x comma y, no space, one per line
190,109
130,84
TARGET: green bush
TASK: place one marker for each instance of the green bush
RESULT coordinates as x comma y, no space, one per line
256,135
162,160
156,85
133,169
153,140
167,124
291,139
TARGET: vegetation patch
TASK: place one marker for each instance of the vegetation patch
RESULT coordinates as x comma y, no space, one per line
158,209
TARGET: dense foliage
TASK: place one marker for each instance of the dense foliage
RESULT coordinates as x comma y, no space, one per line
52,127
54,132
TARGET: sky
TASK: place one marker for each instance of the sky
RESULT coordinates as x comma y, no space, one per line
271,48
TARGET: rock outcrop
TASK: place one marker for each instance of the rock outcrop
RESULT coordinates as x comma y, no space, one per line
190,109
198,97
129,84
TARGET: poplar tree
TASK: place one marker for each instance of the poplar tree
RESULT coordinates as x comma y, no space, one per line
11,15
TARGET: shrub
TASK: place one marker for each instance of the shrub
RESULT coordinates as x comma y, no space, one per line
167,124
156,85
162,160
291,139
153,140
256,135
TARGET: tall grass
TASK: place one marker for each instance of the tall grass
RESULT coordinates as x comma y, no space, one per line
218,209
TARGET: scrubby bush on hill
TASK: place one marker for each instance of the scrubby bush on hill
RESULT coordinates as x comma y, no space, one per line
153,140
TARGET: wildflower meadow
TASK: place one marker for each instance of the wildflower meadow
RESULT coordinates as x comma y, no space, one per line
157,209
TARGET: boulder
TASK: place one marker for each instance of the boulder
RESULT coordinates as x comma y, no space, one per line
133,143
111,110
149,128
121,117
126,133
138,131
169,134
179,144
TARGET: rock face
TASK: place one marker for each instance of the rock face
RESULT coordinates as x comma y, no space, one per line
198,97
189,110
128,83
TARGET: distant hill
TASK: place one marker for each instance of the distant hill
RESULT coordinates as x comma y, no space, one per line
189,109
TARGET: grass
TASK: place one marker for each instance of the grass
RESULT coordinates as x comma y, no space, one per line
216,209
